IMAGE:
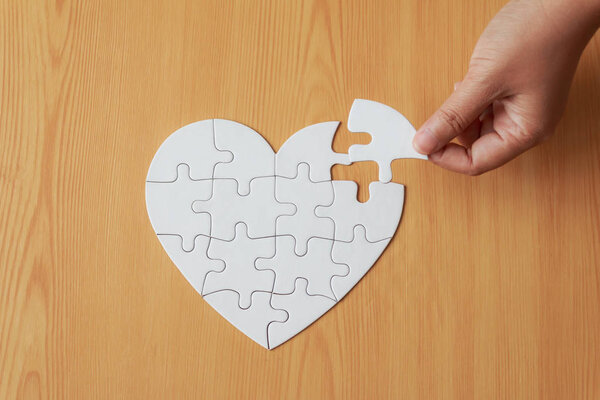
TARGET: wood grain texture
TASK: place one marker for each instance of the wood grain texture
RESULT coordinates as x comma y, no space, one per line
490,288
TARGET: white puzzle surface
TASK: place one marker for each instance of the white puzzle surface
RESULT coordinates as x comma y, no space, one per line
269,239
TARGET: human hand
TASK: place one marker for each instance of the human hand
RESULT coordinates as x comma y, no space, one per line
515,90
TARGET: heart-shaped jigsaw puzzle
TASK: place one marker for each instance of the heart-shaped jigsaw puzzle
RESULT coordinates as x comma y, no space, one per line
269,239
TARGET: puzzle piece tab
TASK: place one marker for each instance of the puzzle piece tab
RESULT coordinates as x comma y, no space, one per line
391,132
169,206
316,266
302,308
310,145
240,273
252,321
379,215
193,145
258,210
252,155
305,195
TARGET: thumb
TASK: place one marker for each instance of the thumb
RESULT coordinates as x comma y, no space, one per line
468,101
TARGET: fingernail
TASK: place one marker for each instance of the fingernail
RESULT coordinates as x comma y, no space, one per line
424,141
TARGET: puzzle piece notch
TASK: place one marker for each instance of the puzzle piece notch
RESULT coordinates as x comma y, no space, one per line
359,254
253,321
240,273
258,210
392,135
310,145
380,215
302,309
316,266
194,265
193,145
169,206
306,195
253,157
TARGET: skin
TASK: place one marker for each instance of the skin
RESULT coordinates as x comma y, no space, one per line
515,90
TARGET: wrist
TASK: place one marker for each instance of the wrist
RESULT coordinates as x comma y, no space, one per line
581,16
574,21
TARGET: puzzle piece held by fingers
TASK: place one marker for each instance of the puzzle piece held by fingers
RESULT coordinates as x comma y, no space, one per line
392,136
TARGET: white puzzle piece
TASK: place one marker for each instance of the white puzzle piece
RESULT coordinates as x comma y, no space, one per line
316,266
252,321
240,273
192,145
264,235
359,255
195,264
310,145
170,206
252,155
392,136
306,195
380,215
302,310
258,210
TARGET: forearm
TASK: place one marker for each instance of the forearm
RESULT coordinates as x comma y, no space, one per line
515,91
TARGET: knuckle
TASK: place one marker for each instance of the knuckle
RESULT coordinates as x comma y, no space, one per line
478,73
529,136
453,119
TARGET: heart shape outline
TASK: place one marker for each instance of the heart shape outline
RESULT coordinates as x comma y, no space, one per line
298,149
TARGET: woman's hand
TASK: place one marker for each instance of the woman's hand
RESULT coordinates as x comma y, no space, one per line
515,90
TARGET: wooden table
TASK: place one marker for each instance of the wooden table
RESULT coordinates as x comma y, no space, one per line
490,288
